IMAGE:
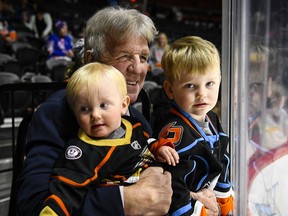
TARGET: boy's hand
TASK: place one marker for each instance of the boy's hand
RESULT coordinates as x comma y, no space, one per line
168,155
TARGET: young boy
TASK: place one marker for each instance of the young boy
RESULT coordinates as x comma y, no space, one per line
110,148
192,80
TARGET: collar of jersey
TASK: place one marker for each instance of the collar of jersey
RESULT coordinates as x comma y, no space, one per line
109,142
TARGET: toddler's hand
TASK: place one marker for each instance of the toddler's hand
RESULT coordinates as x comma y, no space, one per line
168,155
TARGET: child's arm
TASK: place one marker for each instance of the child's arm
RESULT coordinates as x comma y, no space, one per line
164,151
168,155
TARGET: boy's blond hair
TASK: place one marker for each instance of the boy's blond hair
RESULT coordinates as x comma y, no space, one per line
89,76
190,54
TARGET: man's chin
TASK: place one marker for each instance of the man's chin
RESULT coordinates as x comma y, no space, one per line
133,97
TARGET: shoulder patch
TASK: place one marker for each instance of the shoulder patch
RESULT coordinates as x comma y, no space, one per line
73,152
135,145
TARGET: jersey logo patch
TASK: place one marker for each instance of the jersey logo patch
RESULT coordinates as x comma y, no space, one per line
73,153
135,145
172,132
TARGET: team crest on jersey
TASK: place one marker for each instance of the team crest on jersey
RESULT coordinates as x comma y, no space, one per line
73,152
172,132
135,145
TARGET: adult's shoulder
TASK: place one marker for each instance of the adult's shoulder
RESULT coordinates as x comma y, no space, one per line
55,100
135,113
53,118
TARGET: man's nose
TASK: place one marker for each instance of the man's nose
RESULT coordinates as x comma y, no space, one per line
136,64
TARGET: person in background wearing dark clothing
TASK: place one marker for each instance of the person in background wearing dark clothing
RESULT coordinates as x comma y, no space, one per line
157,50
41,22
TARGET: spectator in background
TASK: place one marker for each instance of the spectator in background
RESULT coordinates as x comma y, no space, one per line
157,50
276,130
6,10
59,44
7,34
41,22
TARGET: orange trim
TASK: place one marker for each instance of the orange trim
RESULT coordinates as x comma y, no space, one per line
146,134
120,177
136,125
60,203
174,111
203,211
226,205
100,165
154,148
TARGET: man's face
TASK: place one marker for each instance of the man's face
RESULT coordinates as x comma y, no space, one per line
130,58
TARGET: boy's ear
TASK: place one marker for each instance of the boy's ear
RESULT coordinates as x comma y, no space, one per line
168,89
125,105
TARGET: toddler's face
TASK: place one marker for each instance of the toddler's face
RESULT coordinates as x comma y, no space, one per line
196,94
99,112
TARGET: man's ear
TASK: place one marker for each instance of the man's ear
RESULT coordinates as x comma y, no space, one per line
125,105
168,89
88,56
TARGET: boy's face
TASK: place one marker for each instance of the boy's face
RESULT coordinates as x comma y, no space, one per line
99,112
196,95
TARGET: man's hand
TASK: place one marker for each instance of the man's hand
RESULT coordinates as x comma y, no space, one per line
151,195
208,199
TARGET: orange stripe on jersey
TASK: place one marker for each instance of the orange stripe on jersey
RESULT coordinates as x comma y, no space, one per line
120,177
136,125
60,203
146,134
100,165
174,111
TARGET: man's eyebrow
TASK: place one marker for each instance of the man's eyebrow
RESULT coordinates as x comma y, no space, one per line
146,52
